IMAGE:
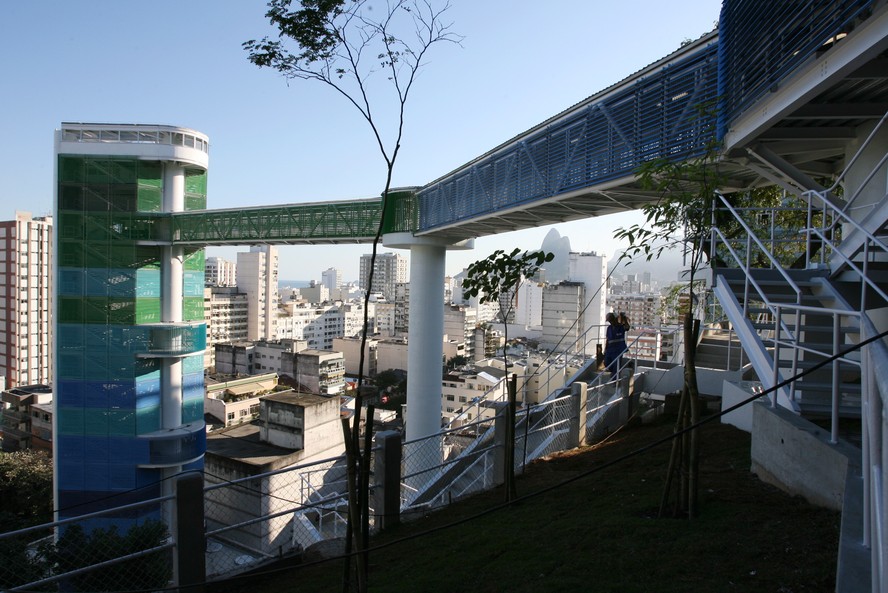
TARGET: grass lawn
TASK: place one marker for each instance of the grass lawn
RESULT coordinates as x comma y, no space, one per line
600,533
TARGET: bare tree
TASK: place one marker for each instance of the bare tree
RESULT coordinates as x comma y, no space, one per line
370,53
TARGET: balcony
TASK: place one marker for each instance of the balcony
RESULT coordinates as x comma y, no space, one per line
175,446
173,340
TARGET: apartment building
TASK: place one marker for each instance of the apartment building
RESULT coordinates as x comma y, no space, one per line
25,291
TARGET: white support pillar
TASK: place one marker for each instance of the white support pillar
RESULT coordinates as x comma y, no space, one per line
172,289
425,335
425,346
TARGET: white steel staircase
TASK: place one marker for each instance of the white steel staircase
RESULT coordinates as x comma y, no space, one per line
821,318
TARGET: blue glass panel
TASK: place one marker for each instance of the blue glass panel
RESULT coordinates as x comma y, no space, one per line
70,449
192,410
70,365
71,282
95,395
70,476
122,476
98,448
146,388
97,282
131,451
121,283
96,475
122,395
70,336
69,393
149,479
192,381
195,466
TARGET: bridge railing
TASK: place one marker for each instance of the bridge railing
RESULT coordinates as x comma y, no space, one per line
762,42
652,114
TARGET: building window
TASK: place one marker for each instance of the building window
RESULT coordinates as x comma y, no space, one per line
450,398
231,415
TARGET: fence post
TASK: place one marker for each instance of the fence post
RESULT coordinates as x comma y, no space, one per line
189,535
387,490
500,430
578,398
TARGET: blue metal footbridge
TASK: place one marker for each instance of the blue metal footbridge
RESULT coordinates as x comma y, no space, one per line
581,162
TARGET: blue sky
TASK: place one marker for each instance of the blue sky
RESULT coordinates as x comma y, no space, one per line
180,62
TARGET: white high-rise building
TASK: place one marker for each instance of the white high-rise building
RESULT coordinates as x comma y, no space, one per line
220,272
590,269
226,312
529,308
389,270
563,322
332,279
257,277
25,311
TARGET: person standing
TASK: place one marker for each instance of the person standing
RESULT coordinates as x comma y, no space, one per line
615,344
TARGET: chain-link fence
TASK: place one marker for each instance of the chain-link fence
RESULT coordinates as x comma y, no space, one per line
253,519
119,549
450,465
250,520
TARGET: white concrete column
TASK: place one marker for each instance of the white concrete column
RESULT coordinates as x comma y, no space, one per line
172,289
425,335
425,345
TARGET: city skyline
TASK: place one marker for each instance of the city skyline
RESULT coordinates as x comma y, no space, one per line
272,143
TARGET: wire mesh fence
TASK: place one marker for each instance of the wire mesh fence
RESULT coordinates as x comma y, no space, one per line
450,465
124,548
253,519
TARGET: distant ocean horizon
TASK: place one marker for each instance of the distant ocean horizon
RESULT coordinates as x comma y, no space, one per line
294,283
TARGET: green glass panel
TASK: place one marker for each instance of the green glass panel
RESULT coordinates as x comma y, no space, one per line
70,197
97,227
148,419
95,422
71,254
194,202
194,261
192,364
71,309
147,310
146,257
150,173
123,197
121,422
96,254
71,225
70,169
193,308
150,198
70,420
196,181
120,365
121,311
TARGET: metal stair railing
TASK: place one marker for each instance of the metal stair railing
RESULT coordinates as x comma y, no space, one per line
744,264
871,246
789,347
